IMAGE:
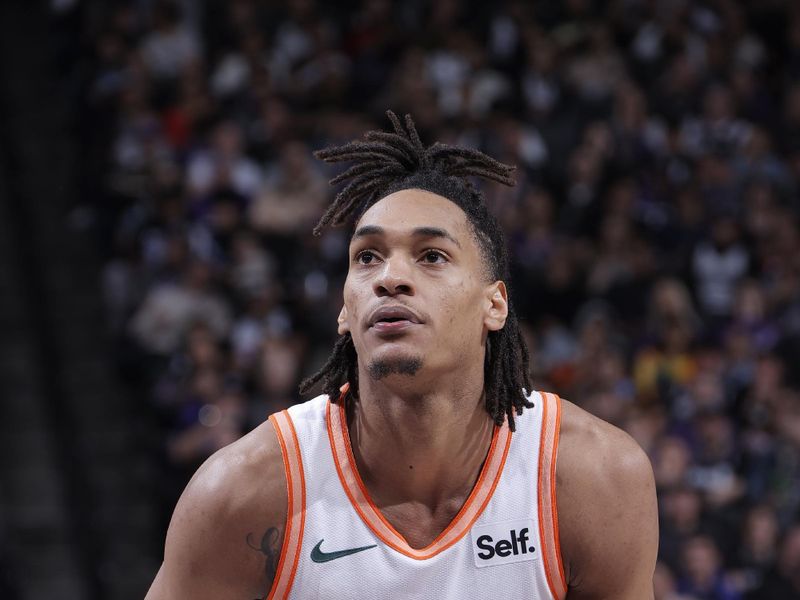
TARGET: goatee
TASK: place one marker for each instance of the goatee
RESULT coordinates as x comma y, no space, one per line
379,369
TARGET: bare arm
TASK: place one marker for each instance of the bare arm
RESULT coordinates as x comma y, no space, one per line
607,511
225,537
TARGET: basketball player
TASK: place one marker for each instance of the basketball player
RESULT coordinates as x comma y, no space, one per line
425,470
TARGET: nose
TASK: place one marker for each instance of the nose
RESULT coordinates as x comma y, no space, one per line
394,278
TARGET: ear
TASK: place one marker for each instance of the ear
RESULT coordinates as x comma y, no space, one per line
496,306
344,327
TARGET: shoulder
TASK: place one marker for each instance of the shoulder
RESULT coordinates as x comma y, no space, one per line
593,452
226,532
607,510
239,478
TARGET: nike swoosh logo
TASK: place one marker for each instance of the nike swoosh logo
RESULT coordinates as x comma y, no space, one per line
318,556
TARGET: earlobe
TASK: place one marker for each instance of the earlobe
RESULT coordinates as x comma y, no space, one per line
342,321
498,307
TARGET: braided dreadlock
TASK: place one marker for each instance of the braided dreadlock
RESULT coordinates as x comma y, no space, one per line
389,162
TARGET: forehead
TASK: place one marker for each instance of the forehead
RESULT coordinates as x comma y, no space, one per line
413,208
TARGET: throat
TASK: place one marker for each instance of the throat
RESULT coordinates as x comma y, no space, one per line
420,483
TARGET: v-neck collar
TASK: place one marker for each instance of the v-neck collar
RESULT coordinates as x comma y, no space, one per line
356,491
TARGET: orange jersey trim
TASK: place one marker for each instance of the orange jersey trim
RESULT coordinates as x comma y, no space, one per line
371,515
553,500
296,505
548,511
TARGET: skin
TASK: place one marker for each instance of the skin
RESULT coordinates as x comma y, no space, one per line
419,441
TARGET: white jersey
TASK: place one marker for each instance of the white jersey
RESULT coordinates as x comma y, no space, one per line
503,543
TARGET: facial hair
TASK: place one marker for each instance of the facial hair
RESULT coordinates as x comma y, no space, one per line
378,369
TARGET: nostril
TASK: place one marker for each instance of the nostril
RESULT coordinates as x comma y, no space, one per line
384,289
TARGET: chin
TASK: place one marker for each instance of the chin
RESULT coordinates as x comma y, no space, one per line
394,363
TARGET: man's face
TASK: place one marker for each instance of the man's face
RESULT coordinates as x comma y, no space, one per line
417,297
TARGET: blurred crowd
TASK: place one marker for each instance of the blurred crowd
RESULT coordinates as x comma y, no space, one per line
653,227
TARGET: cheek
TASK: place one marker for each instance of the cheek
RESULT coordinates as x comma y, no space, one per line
351,302
461,307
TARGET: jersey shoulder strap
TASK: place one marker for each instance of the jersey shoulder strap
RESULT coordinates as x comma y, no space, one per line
296,507
548,512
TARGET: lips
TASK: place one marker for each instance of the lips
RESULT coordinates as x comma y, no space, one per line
393,318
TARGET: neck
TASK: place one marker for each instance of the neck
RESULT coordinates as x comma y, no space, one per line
422,447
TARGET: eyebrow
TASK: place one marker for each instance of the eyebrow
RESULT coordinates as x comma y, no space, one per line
423,232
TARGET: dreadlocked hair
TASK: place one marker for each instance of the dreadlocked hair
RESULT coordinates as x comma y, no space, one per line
387,162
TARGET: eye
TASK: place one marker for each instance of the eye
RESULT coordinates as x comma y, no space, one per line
366,257
433,257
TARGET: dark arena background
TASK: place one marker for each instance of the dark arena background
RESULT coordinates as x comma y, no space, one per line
161,292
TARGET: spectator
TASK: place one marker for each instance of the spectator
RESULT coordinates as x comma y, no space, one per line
718,266
169,309
223,166
757,553
784,580
170,47
292,196
703,577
